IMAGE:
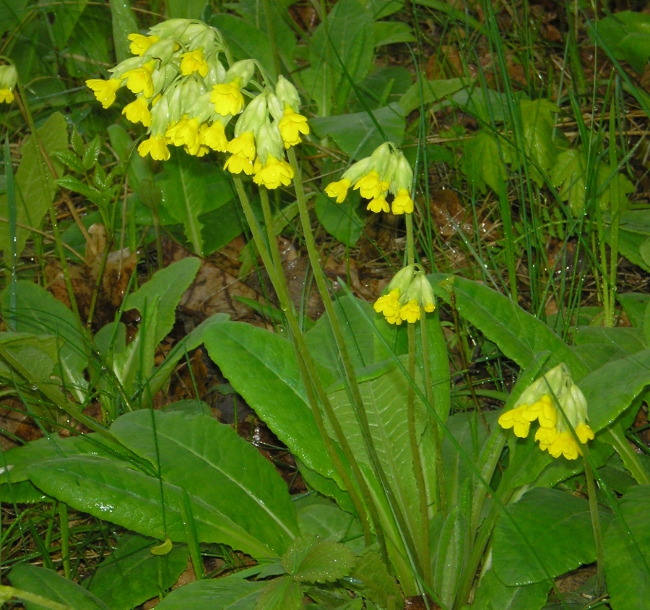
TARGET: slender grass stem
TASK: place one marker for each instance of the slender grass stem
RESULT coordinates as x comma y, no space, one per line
595,523
65,542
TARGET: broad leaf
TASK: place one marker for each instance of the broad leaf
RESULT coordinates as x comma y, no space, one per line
168,286
341,221
309,559
390,32
626,36
483,162
569,174
124,23
185,9
558,537
211,462
108,490
34,183
537,125
262,367
492,594
131,574
627,557
282,593
428,92
229,593
51,585
320,517
372,579
450,556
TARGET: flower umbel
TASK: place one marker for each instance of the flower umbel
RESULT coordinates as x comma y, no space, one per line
227,98
409,292
560,407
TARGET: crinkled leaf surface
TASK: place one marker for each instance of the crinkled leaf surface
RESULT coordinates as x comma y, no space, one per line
492,594
262,367
282,593
211,462
129,576
309,559
558,529
627,557
229,593
51,585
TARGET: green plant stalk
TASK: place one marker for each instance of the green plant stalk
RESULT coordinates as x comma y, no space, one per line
270,30
6,593
27,114
189,525
357,402
11,209
626,453
307,369
615,214
65,542
310,377
595,523
440,471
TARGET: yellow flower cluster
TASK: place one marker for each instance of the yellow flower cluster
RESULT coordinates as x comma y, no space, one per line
409,292
8,78
186,97
385,171
560,408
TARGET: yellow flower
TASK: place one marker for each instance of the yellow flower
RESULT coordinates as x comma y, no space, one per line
227,98
564,444
544,411
185,133
140,44
585,433
155,147
273,173
371,186
6,96
516,418
104,90
244,144
378,204
410,312
138,112
389,306
402,203
236,164
201,152
139,80
291,126
214,137
194,62
545,437
338,190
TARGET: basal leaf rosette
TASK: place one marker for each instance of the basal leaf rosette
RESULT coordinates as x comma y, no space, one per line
560,408
187,94
386,171
407,295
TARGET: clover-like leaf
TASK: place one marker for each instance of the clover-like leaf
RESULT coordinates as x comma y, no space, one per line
310,559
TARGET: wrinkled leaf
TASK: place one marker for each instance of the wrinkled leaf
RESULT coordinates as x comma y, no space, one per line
309,559
282,593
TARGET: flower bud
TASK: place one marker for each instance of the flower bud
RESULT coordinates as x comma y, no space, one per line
162,50
8,77
269,142
402,177
276,107
216,71
204,41
356,170
402,279
254,115
243,70
380,159
131,63
287,93
160,118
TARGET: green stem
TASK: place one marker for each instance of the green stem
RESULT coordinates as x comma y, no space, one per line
307,367
598,534
357,401
65,546
6,593
614,211
627,454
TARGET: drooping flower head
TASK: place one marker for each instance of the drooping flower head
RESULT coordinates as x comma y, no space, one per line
560,408
8,79
385,171
408,294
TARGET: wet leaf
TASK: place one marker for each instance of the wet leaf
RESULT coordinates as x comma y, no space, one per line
309,559
231,593
282,593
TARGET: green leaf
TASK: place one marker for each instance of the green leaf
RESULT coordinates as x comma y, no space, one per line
519,335
38,312
634,304
138,168
282,593
371,579
38,353
627,35
167,286
49,584
626,379
108,490
185,9
124,23
341,221
357,135
483,161
21,493
450,557
245,40
34,183
231,593
569,174
556,525
627,557
309,559
326,486
213,463
390,32
321,517
11,14
262,367
538,125
191,188
430,92
493,594
129,576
